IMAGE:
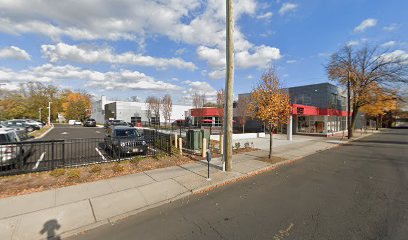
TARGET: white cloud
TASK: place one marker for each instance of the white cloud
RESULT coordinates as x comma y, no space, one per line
62,51
389,44
397,55
217,74
291,61
200,88
368,23
265,15
213,56
392,27
14,52
353,43
288,7
122,79
259,56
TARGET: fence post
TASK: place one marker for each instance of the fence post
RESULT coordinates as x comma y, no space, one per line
175,140
181,146
63,153
52,156
204,153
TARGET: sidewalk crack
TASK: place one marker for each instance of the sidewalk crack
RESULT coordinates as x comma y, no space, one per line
93,212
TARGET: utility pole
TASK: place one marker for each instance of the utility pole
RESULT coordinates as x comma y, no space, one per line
49,113
229,88
349,131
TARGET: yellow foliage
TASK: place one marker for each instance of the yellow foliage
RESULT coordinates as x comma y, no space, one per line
270,102
378,101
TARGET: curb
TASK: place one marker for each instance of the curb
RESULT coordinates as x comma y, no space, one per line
46,132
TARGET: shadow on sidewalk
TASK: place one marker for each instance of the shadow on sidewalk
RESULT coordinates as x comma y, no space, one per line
50,227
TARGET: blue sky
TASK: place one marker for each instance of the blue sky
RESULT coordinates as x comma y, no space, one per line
139,48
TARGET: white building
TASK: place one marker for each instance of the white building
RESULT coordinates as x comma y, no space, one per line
98,110
103,110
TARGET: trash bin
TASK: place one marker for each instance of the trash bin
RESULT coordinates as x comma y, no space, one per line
194,139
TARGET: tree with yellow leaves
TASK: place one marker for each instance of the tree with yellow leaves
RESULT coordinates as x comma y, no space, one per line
76,105
379,102
270,102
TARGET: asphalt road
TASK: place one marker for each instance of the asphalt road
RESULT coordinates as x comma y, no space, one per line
64,131
356,191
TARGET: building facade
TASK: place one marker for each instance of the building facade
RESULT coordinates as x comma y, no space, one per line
132,112
319,109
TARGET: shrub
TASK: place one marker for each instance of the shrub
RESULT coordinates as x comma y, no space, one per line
57,172
246,145
74,174
237,145
118,168
136,160
95,169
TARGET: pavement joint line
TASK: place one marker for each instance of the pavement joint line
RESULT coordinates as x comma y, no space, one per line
93,211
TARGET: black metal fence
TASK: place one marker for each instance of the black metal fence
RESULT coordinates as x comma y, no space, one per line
34,156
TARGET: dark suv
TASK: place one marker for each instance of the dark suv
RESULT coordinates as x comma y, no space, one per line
124,140
90,123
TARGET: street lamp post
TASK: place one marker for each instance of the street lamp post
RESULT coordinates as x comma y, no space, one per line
49,113
39,113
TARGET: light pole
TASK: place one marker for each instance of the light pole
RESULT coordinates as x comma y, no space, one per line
39,113
49,113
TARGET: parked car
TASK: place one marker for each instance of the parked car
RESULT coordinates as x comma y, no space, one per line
36,125
124,140
18,126
10,151
74,122
90,123
115,123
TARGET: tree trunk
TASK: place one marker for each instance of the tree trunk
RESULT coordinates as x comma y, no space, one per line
270,142
377,121
353,120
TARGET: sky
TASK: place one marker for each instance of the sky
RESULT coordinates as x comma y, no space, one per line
126,48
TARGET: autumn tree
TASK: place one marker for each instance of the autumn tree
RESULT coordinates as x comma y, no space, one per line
363,67
243,110
380,102
166,107
220,98
76,105
270,103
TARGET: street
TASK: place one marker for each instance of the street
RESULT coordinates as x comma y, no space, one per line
64,131
355,191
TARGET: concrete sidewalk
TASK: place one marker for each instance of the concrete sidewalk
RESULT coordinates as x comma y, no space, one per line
70,210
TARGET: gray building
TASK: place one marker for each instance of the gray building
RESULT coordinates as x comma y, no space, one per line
316,109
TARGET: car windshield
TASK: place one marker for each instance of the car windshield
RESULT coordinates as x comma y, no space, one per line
127,133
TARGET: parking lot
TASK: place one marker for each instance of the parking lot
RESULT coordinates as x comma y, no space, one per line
67,145
65,131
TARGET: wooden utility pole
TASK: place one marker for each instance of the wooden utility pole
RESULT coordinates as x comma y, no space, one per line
229,88
349,131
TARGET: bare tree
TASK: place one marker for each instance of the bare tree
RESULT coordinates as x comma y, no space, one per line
243,110
220,98
149,107
198,100
166,107
361,68
156,109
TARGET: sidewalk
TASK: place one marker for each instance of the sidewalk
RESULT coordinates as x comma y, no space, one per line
70,210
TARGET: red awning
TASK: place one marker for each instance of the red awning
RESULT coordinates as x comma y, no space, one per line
207,121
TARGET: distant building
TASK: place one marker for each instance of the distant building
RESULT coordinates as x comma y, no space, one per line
132,112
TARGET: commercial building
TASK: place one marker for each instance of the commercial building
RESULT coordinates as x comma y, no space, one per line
134,112
319,109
